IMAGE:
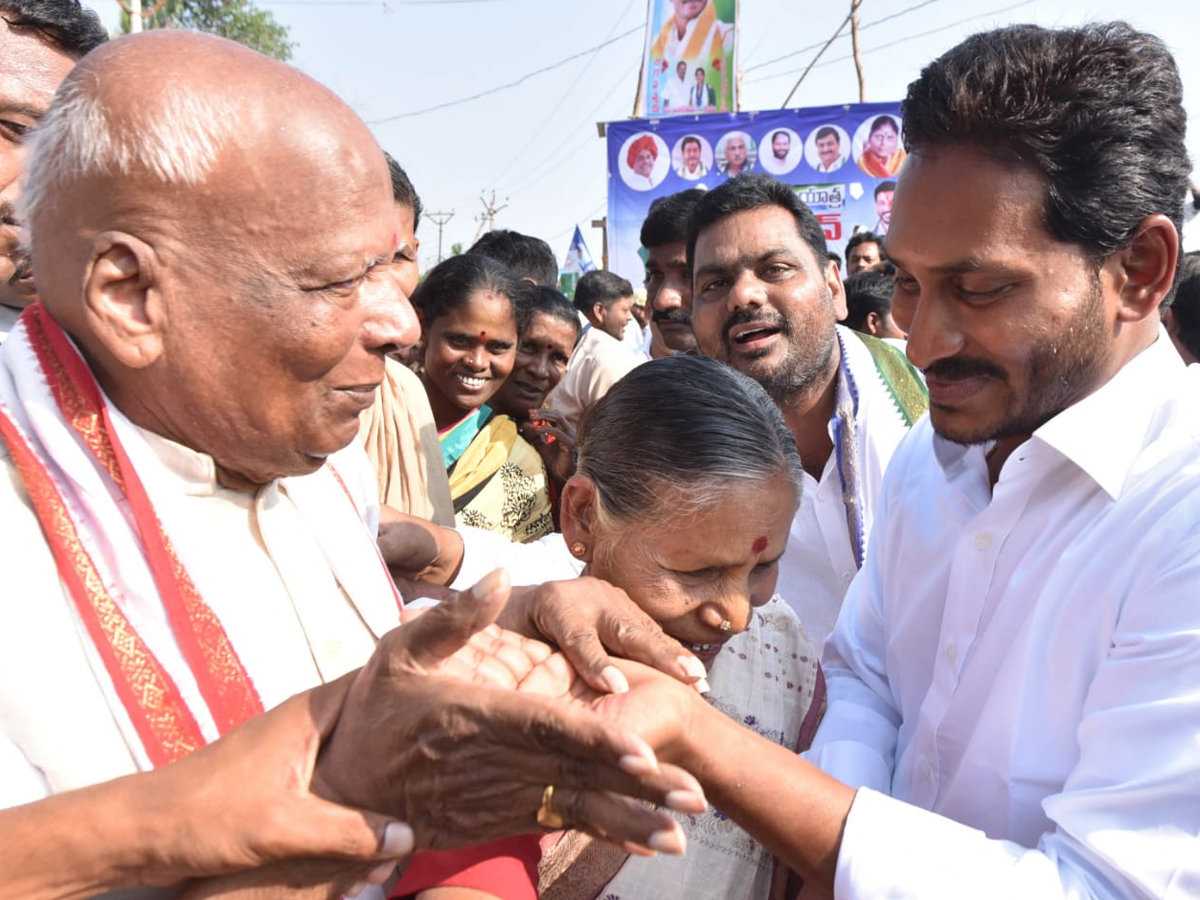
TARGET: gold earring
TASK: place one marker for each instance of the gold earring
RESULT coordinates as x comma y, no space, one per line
578,549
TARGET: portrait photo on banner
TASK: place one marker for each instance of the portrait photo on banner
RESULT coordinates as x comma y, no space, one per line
828,154
689,61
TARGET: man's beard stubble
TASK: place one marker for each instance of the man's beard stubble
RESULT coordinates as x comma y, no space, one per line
1059,371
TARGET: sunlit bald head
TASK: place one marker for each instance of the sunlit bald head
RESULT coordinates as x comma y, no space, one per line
211,226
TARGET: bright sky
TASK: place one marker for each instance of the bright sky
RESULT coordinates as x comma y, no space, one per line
407,67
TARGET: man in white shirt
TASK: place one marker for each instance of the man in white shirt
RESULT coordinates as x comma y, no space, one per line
186,523
675,94
766,300
1013,703
692,165
600,360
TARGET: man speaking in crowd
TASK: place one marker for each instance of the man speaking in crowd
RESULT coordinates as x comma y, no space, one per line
182,515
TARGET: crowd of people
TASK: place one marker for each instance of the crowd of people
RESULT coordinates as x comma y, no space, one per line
327,577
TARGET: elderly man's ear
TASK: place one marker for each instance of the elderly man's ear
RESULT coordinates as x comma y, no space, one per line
122,304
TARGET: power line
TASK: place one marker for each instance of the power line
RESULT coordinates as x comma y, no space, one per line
904,40
561,100
511,84
541,170
895,15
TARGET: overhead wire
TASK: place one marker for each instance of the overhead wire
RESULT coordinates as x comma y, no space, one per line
537,133
903,40
504,87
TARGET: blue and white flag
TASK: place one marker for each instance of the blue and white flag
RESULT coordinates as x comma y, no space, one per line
578,261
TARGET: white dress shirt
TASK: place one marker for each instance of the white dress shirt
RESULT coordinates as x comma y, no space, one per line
599,362
1015,674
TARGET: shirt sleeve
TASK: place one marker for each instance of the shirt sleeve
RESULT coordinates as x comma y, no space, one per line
1124,824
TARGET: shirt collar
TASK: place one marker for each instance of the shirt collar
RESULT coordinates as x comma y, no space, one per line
1104,432
195,472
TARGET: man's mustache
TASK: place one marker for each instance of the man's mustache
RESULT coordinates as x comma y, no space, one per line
959,368
677,315
746,317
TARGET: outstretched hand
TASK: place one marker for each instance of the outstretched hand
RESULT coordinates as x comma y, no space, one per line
465,765
587,618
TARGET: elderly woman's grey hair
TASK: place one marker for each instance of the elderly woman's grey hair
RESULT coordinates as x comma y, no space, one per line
683,431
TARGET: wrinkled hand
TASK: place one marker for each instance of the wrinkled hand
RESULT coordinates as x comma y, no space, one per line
659,709
244,801
433,733
584,616
558,455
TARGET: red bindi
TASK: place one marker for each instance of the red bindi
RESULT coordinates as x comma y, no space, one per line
759,545
483,335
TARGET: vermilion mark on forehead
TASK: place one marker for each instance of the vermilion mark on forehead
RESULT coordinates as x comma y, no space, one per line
759,545
483,335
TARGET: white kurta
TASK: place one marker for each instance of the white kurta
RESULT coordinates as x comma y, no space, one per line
261,563
1024,661
819,563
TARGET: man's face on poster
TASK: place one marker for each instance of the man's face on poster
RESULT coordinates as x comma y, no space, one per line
883,206
781,145
643,163
686,10
681,70
735,151
829,149
691,154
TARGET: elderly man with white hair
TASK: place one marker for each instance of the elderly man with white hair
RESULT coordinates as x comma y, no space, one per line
186,522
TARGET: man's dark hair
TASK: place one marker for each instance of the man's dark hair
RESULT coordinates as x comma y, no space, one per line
403,192
756,191
1185,302
1098,110
867,292
66,24
827,131
690,139
599,286
778,133
883,187
667,220
864,237
530,257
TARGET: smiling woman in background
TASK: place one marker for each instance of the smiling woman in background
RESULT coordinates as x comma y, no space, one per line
471,325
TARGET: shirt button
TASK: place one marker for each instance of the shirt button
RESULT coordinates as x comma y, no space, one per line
983,540
951,654
926,771
847,576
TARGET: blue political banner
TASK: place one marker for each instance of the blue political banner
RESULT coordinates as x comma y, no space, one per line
841,160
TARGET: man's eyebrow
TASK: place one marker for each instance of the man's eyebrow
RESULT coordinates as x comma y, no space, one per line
23,109
743,261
